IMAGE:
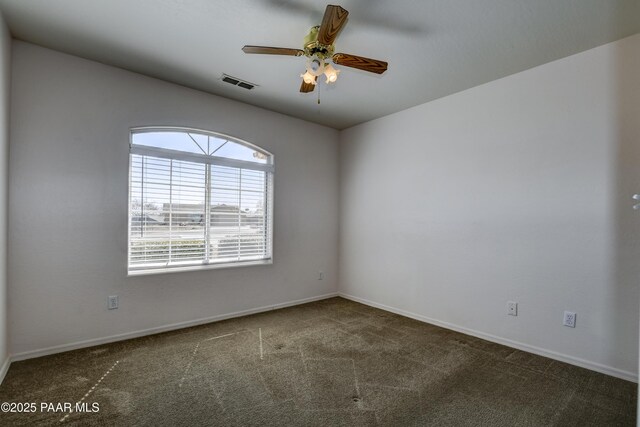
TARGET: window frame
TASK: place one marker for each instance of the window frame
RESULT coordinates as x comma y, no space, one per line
209,160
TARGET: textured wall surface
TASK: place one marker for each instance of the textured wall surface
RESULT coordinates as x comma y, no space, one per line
68,207
5,70
518,190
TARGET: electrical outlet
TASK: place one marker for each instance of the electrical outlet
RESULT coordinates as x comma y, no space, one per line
320,275
569,319
512,308
112,302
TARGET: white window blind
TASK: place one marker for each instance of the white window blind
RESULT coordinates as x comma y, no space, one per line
190,209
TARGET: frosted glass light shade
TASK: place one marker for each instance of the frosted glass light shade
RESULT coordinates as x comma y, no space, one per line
331,73
308,78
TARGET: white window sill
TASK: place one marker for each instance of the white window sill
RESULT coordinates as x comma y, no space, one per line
160,270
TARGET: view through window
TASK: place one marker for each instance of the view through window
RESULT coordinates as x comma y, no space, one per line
197,198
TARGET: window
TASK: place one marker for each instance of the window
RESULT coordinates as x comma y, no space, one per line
197,199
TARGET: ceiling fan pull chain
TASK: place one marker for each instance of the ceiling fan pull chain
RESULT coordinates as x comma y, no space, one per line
319,94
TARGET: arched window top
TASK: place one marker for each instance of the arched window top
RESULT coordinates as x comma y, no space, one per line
199,143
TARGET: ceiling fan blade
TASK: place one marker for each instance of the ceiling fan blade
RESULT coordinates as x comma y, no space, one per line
334,19
269,50
307,87
360,62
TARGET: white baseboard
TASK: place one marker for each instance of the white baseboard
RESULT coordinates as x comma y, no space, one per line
626,375
608,370
120,337
4,368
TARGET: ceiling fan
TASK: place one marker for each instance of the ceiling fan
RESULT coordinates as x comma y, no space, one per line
319,49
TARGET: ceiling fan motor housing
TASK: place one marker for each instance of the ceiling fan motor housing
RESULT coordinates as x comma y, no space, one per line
314,48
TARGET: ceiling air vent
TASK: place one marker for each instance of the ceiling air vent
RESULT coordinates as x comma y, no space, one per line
237,82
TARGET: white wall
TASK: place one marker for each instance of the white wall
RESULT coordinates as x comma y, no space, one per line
519,190
68,204
5,68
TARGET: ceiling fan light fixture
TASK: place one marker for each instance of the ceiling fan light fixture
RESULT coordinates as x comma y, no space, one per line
315,66
308,78
331,73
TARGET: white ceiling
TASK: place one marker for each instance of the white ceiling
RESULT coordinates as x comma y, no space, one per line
434,47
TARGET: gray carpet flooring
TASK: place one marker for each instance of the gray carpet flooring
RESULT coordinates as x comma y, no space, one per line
327,363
